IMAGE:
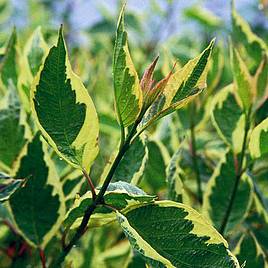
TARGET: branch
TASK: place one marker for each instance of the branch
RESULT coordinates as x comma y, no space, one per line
237,179
98,200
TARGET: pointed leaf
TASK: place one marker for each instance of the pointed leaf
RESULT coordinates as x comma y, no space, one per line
32,59
228,118
242,33
8,66
132,165
120,195
13,129
242,78
257,221
127,91
35,50
216,68
258,143
219,195
154,174
63,109
170,234
248,251
8,187
38,207
175,184
261,81
181,88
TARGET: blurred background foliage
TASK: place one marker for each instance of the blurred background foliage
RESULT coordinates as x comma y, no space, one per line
174,29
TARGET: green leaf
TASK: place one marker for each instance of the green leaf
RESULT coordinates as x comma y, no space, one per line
170,234
248,251
127,91
257,221
203,16
228,118
13,129
8,187
242,33
155,170
8,66
5,10
119,195
38,207
183,85
35,50
137,261
64,112
258,143
216,67
261,82
32,59
242,78
117,256
175,184
72,184
219,192
132,165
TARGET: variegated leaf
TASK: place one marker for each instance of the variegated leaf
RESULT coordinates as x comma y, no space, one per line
170,234
127,90
120,196
249,252
132,165
64,111
32,59
222,206
182,87
228,118
38,207
175,184
243,80
9,64
8,186
242,33
258,143
14,131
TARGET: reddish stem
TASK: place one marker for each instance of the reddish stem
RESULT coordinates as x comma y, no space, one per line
91,185
42,257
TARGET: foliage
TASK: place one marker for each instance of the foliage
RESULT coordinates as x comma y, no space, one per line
82,187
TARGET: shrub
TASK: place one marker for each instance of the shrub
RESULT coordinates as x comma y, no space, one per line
186,191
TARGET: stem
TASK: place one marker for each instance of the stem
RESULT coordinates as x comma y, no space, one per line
98,200
194,155
42,257
122,141
237,179
91,185
110,207
11,227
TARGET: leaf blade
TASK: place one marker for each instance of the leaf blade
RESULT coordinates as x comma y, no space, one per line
162,233
64,111
127,90
41,196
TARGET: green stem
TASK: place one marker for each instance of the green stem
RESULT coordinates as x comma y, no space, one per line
99,198
122,140
237,178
